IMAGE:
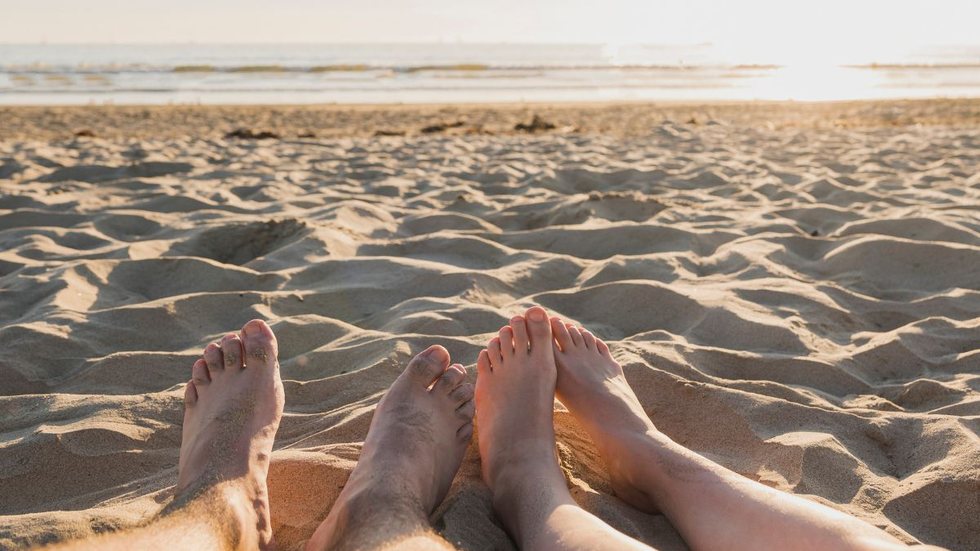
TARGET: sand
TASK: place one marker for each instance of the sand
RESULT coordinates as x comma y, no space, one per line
793,290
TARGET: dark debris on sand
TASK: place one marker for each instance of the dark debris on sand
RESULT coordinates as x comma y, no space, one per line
537,124
249,134
382,133
441,127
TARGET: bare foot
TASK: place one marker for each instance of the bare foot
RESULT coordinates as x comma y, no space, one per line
593,387
233,405
413,449
515,394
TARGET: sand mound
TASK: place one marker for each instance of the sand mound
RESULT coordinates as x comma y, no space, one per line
802,306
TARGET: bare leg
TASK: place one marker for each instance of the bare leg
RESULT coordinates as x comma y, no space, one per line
515,394
232,405
412,452
712,507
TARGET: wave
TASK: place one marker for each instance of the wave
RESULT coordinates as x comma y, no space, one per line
447,68
915,66
106,91
351,67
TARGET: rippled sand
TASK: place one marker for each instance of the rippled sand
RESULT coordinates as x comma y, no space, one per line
794,295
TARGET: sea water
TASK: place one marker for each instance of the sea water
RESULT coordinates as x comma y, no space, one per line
457,73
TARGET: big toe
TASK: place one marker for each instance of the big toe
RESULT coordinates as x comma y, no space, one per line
538,328
428,365
261,347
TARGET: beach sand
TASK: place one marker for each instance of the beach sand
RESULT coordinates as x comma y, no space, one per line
793,290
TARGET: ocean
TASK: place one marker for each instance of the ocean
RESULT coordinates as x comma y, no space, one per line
457,73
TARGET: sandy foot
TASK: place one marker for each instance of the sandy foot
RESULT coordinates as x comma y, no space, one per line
413,449
515,399
593,387
233,406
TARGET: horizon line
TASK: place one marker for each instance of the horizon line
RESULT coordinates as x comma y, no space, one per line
399,43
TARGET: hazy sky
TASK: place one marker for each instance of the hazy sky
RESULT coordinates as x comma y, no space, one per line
824,28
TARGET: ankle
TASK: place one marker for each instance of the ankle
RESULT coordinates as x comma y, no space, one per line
524,498
370,514
627,419
633,459
363,508
522,464
230,508
541,489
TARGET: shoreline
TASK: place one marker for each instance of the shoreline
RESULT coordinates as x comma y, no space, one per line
618,119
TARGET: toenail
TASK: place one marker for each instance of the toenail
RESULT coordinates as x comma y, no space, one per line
434,353
252,330
537,315
516,319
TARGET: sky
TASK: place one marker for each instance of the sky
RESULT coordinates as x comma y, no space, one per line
828,29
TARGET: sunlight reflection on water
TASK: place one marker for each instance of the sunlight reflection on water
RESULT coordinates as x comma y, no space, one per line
437,74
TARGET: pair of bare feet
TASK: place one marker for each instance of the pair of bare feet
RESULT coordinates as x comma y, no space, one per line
416,442
418,435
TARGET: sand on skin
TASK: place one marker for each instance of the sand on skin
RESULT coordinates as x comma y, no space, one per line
799,301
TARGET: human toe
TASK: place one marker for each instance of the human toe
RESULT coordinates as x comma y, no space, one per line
483,363
462,394
562,337
538,328
588,338
521,341
231,350
495,352
259,344
602,346
214,359
428,365
450,379
199,373
466,410
465,432
506,338
190,394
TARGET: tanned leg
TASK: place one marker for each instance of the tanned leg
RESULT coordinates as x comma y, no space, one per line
712,507
413,449
515,393
232,408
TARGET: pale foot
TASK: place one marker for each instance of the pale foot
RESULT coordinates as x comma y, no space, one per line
515,392
413,449
233,405
591,384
